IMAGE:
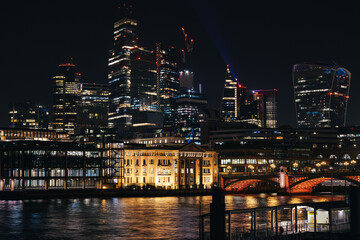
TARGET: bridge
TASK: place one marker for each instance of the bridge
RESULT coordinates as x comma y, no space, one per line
292,182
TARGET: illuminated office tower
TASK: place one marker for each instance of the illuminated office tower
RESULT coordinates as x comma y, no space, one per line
321,95
143,89
190,114
125,39
231,96
29,115
144,95
92,109
167,82
66,94
266,107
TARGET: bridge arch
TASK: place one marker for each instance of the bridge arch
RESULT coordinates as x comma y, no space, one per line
307,184
242,184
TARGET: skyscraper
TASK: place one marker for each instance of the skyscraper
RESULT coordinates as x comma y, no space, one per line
143,90
66,94
125,39
92,109
266,105
231,96
29,115
167,82
190,114
321,95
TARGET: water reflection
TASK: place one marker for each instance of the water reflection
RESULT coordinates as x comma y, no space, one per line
122,218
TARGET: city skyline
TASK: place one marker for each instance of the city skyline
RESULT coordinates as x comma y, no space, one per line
213,48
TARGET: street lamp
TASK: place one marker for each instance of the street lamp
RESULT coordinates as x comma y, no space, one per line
251,167
346,164
272,166
295,165
318,165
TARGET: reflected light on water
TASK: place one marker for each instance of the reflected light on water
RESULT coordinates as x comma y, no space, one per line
124,218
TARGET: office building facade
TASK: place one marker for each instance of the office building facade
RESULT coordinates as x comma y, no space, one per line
167,82
119,76
92,109
66,94
188,166
230,99
191,109
321,95
29,115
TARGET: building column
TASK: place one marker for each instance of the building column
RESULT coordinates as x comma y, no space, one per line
84,170
101,175
46,179
315,219
186,174
12,185
201,174
194,182
66,171
296,219
11,168
22,170
179,173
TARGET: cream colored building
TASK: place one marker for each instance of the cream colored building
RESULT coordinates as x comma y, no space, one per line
159,167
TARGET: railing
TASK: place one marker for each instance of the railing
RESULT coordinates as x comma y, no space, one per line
257,224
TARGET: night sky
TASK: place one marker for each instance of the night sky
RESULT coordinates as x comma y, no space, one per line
260,41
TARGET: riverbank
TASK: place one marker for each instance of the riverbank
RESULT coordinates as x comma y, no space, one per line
98,193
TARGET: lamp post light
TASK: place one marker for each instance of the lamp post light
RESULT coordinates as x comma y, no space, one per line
318,165
251,167
346,164
353,164
272,166
229,169
295,166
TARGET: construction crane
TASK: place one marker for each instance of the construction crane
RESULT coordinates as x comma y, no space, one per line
189,45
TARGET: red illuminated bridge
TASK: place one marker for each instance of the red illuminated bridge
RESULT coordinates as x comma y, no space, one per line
293,182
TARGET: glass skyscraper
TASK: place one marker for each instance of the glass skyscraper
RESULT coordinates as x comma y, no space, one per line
321,95
66,94
167,81
125,39
190,114
230,100
143,90
266,106
92,109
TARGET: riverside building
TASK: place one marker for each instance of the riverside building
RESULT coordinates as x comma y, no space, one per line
189,166
59,165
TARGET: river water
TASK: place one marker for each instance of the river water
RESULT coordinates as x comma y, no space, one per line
122,218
